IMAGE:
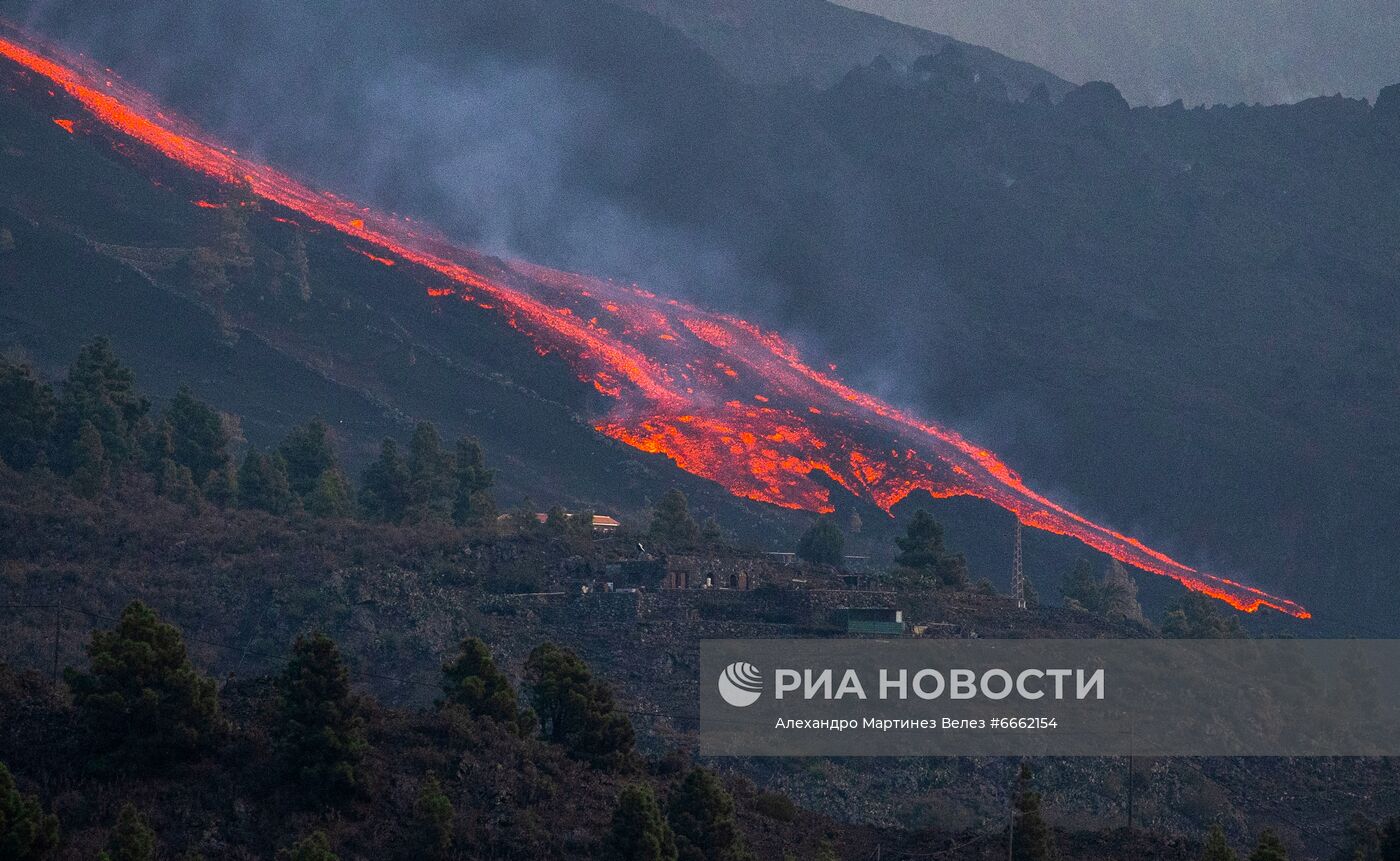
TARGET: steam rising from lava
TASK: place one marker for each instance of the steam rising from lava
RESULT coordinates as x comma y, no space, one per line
720,397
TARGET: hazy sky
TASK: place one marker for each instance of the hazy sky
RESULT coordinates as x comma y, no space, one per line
1196,50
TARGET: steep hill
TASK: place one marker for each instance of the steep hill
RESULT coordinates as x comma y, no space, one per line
1180,317
816,41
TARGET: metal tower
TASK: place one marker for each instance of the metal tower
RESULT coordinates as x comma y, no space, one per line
1018,576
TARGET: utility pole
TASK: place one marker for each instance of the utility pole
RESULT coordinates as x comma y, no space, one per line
1018,575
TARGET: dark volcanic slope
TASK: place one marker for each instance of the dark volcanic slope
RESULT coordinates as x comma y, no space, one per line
103,245
1182,321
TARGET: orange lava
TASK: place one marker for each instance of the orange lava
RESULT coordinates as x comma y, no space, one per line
207,204
66,125
385,261
720,397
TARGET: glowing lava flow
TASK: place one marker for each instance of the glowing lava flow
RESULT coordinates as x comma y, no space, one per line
721,398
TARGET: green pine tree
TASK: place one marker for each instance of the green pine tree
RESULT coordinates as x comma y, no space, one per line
28,411
672,527
1196,617
1083,588
1120,594
474,505
176,483
1217,847
575,709
639,831
199,441
384,486
90,467
432,478
823,543
309,453
556,522
1031,838
473,682
701,814
27,833
132,839
320,731
331,496
433,815
711,533
923,556
315,846
221,486
142,700
1270,848
102,391
262,484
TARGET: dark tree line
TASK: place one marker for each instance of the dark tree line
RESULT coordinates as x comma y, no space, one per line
95,429
143,709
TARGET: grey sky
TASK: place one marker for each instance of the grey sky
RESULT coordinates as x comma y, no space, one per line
1201,51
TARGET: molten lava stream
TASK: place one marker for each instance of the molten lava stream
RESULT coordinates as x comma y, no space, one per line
720,397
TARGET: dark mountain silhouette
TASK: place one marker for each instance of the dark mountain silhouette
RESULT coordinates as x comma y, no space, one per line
777,41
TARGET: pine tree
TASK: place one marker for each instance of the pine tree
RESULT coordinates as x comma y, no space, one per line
575,709
432,479
176,483
1195,617
132,839
672,527
320,731
823,543
556,522
923,554
198,439
473,682
315,846
1362,841
434,815
90,467
1031,838
384,486
921,546
331,496
1120,594
221,486
1217,847
27,833
701,814
100,390
262,484
639,831
711,533
1083,588
309,453
1270,848
28,411
1390,840
143,701
474,504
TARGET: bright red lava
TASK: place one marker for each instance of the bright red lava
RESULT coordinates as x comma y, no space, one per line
721,398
